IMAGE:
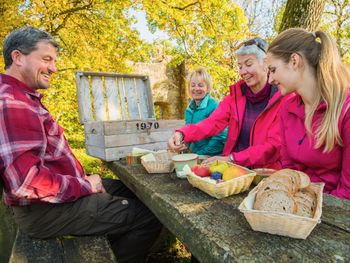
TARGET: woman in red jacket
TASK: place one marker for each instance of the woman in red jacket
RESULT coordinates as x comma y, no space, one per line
250,111
315,124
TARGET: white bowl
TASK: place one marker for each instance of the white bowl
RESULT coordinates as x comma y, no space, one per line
180,160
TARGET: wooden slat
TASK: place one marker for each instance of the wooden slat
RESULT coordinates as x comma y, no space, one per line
132,99
150,98
145,110
116,153
111,74
84,100
114,110
30,250
98,95
117,127
127,139
122,98
92,249
336,212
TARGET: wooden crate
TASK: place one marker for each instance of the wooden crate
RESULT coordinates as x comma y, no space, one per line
118,114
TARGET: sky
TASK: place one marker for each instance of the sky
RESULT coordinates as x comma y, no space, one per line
141,26
264,19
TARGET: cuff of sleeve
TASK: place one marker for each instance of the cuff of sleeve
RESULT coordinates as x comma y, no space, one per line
85,185
231,158
182,134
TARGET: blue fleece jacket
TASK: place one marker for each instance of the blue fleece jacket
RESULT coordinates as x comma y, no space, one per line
194,114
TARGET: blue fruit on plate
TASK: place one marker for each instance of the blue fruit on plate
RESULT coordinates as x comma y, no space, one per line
216,175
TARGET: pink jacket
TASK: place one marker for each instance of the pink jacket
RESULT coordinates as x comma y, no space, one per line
298,151
264,150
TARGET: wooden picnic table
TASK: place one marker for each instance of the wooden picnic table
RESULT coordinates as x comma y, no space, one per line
216,231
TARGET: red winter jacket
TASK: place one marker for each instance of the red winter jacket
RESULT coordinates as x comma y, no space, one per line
265,143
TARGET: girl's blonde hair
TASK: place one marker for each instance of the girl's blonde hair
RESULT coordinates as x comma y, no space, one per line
201,74
332,78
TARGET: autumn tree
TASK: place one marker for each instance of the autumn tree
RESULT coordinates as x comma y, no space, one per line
302,13
93,35
205,32
336,20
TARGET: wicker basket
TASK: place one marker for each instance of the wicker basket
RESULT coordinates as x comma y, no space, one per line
222,189
162,163
281,223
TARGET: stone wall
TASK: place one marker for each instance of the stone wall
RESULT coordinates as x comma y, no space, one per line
168,87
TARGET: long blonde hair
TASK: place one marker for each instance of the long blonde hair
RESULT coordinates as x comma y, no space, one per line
332,79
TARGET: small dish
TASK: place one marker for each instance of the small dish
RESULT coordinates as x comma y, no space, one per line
262,173
181,160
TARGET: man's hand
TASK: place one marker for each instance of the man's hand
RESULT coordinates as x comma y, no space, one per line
96,183
176,143
216,158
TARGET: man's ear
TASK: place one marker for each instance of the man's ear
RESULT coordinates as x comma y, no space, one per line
17,57
296,61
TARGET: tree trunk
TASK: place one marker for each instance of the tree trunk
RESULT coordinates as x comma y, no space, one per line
302,13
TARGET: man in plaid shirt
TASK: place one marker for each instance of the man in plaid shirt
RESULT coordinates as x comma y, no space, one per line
44,184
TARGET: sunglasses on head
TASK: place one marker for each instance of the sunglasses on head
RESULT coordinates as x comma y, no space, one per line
252,42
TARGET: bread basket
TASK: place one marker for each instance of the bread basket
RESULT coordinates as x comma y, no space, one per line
281,223
225,188
158,162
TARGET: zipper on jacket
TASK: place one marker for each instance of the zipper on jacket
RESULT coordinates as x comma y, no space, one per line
301,140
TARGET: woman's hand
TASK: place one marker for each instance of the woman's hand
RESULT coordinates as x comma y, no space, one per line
216,158
176,143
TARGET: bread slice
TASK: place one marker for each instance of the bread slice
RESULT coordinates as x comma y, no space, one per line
276,201
308,195
273,185
304,210
286,180
292,174
304,180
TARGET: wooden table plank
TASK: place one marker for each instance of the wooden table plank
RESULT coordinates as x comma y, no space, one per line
216,231
336,212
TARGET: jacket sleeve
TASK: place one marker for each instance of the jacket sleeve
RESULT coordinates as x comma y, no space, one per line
262,154
22,142
343,187
215,145
210,126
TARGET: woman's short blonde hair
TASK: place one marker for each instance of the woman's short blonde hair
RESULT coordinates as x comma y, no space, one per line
200,74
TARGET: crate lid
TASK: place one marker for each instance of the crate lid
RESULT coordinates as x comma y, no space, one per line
106,96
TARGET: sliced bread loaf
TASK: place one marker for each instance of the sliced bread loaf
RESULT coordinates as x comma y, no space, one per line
276,201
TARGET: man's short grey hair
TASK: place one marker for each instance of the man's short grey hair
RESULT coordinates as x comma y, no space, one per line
252,50
25,40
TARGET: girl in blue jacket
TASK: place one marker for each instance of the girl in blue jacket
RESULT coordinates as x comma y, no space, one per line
199,108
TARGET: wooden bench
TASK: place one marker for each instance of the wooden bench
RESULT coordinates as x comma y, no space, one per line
94,249
216,231
61,250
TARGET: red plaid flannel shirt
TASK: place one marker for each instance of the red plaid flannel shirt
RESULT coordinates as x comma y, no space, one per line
36,163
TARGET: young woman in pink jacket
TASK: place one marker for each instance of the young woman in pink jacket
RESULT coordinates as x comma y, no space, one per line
315,123
250,111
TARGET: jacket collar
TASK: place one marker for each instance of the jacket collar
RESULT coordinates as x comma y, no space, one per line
296,106
239,88
19,85
202,104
